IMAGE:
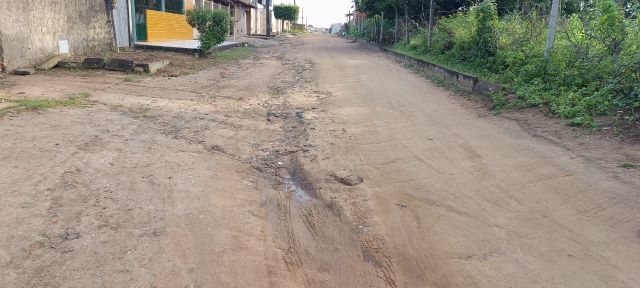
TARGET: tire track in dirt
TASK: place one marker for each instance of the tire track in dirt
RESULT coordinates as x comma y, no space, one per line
319,241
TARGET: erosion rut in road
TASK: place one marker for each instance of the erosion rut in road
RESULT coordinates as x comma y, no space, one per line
226,178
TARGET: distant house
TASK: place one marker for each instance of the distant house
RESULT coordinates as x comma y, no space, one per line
31,33
335,28
165,20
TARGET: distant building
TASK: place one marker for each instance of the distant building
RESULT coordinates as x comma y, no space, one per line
30,34
164,20
335,28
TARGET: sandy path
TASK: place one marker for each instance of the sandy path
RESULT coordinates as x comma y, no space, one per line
223,178
151,186
465,200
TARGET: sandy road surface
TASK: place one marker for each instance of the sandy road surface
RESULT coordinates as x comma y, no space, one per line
224,178
465,200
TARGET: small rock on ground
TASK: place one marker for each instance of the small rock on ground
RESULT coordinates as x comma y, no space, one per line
347,178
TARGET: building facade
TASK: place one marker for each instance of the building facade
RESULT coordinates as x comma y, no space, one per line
32,31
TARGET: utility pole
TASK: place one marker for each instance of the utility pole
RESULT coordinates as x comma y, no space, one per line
268,10
431,8
553,26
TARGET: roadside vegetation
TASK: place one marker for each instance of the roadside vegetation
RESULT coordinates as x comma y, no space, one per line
34,104
213,26
286,12
593,68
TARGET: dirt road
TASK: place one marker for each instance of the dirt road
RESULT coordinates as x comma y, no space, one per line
228,178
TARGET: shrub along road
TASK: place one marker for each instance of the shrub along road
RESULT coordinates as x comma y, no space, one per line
247,174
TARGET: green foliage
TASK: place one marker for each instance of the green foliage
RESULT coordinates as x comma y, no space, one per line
484,42
213,26
76,100
234,54
499,101
629,165
594,68
286,12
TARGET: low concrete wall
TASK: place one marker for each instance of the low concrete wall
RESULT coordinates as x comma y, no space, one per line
465,81
30,29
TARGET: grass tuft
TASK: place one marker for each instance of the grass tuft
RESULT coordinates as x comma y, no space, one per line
75,100
233,54
630,165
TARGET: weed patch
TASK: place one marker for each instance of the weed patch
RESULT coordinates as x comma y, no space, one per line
233,54
630,165
32,104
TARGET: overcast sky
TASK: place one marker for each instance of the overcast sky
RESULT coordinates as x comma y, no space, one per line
322,13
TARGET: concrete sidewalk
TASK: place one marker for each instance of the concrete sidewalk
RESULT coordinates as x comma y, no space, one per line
183,46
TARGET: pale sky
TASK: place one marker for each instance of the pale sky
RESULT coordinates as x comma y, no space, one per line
322,13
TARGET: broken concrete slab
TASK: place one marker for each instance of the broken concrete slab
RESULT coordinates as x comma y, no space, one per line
123,65
52,62
93,63
24,71
153,67
69,64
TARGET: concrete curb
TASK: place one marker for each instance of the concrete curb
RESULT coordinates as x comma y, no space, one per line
467,82
188,50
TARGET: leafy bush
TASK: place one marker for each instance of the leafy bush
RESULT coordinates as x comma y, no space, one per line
213,26
484,42
418,43
594,68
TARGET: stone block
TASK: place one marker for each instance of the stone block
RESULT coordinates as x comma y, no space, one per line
93,63
123,65
69,64
24,71
153,67
52,62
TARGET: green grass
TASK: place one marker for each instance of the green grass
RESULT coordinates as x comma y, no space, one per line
75,100
233,54
630,165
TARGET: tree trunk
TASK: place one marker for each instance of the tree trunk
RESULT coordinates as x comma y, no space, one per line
373,30
553,26
406,21
431,8
381,27
395,31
